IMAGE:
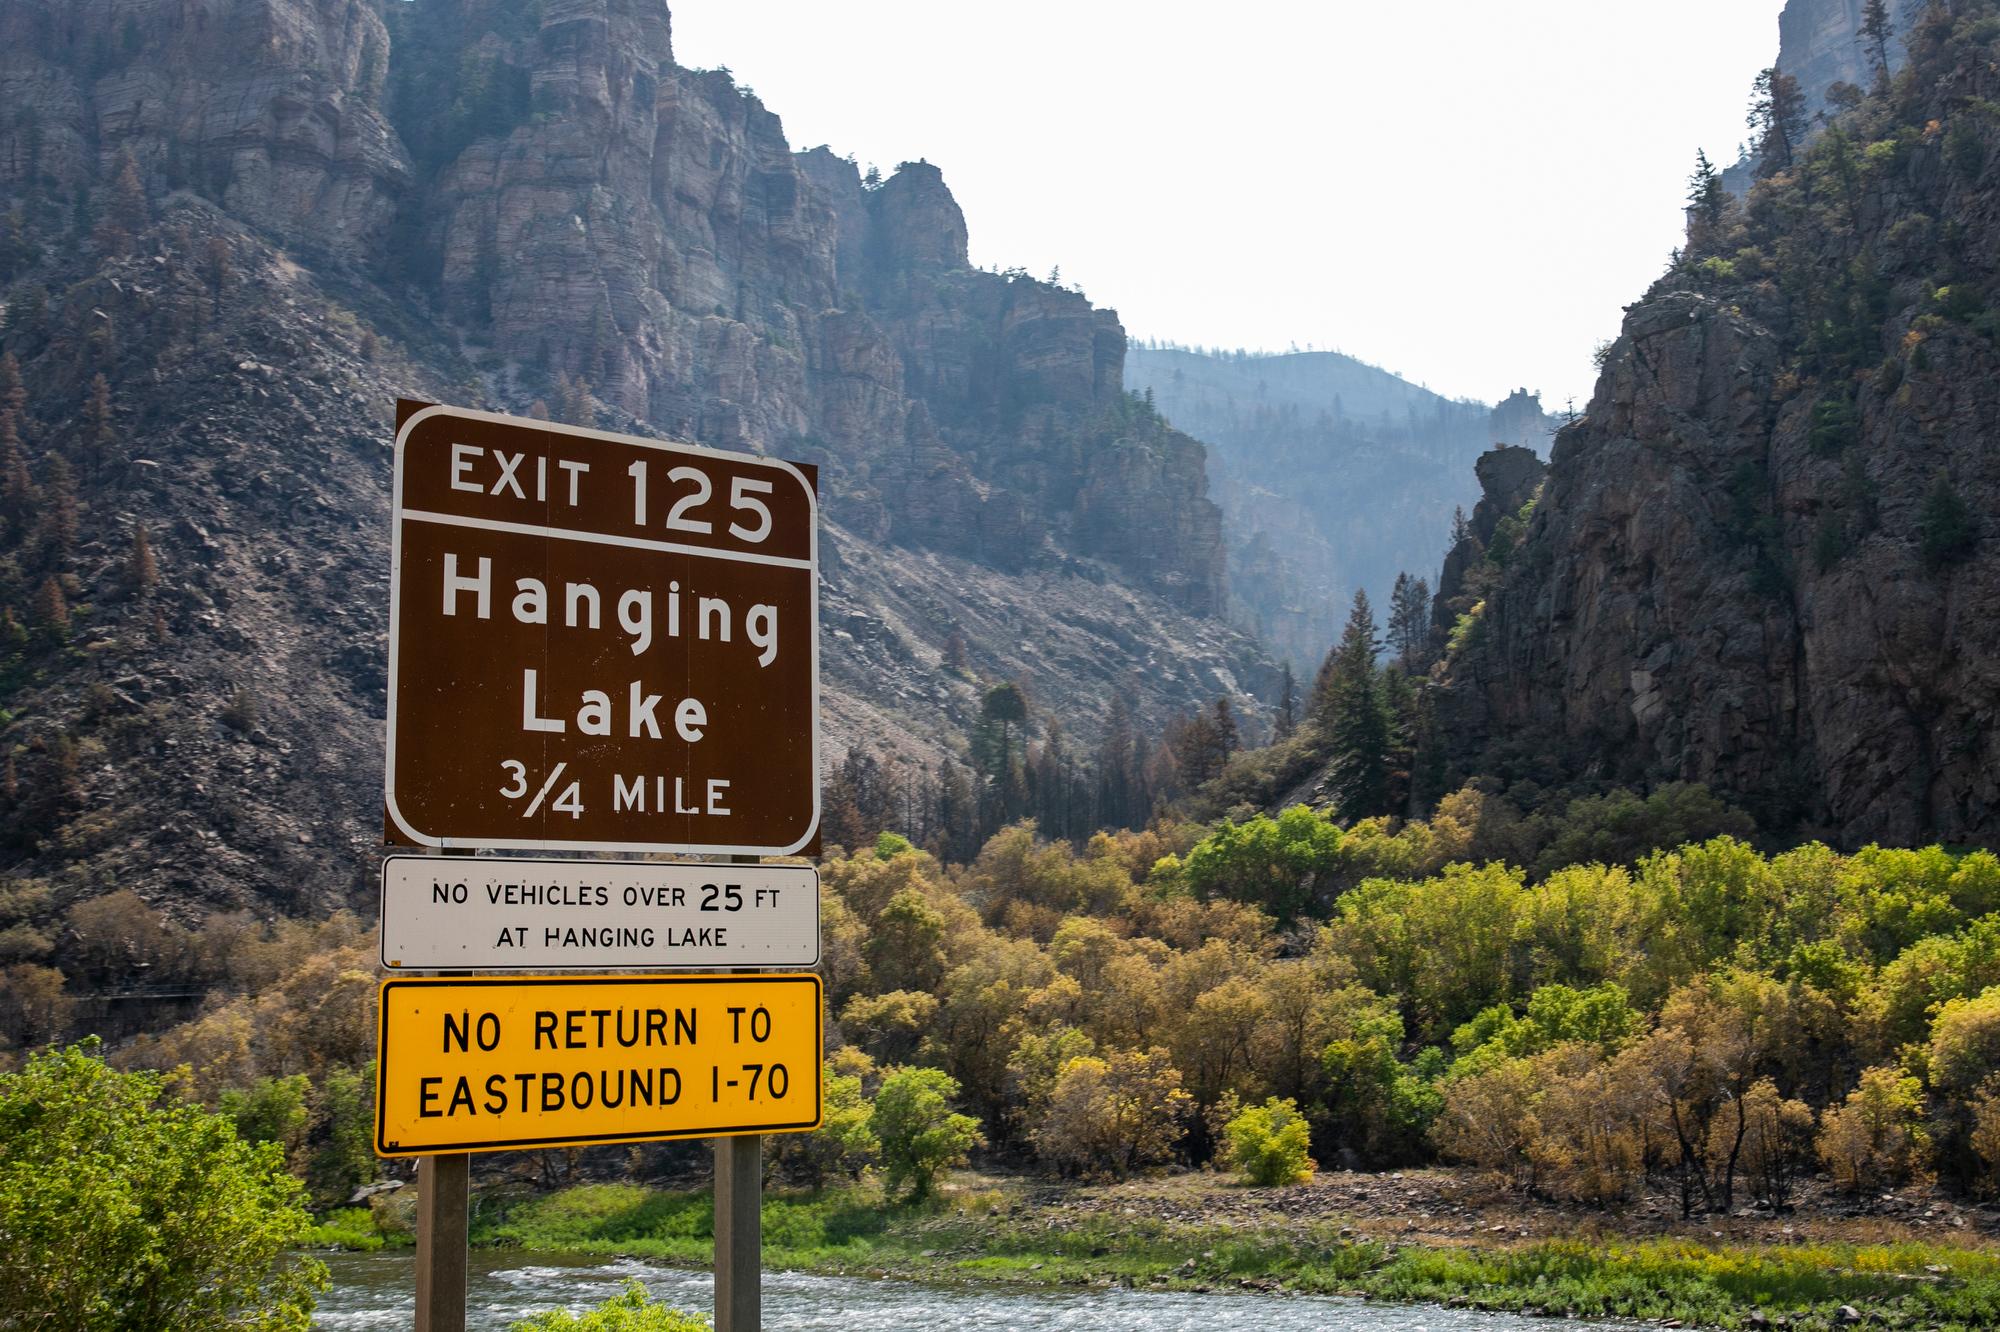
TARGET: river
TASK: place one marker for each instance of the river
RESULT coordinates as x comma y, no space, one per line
375,1291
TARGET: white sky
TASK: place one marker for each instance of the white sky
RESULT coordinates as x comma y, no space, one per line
1464,192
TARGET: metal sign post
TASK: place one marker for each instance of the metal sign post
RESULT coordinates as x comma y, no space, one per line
443,1184
739,1234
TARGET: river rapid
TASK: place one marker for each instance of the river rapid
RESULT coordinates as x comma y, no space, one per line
374,1290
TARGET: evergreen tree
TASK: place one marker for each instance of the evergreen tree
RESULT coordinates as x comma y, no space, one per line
1356,719
216,269
58,507
1461,530
1409,620
1196,745
95,440
13,394
127,214
1876,30
1287,720
1227,734
142,572
956,813
1115,776
52,608
1428,759
1052,785
957,656
17,486
840,821
574,404
1946,529
1778,115
997,743
1708,202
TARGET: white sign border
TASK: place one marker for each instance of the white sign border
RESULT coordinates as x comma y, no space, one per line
458,864
397,518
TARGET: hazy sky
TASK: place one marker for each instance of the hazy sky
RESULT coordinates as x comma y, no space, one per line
1464,192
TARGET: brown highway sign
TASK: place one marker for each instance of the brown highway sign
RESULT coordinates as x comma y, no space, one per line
510,913
599,642
491,1063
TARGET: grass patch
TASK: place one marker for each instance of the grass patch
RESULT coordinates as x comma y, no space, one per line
974,1240
351,1228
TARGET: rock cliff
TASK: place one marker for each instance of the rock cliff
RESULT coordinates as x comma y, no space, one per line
263,220
1765,559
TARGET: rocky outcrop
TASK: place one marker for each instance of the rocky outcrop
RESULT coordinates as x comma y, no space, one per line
1765,559
1510,478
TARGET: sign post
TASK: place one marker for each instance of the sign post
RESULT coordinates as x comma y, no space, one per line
605,644
739,1234
443,1182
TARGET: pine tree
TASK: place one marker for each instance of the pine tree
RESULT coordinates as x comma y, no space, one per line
1287,720
58,507
17,486
1428,759
52,608
574,403
998,739
1228,735
1876,30
1051,769
1115,776
1708,202
1409,620
957,656
1196,746
128,213
13,394
1946,529
95,440
142,572
1356,718
1778,115
216,269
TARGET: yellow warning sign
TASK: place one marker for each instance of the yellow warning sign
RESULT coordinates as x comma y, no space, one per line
483,1064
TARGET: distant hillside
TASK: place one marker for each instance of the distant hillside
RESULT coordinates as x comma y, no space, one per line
1332,474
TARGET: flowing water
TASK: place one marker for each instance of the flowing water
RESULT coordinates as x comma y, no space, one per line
375,1291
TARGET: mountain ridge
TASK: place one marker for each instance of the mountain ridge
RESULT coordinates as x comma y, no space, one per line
262,221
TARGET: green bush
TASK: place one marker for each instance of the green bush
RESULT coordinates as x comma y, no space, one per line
1270,1143
1945,527
1835,425
633,1310
889,845
918,1132
124,1206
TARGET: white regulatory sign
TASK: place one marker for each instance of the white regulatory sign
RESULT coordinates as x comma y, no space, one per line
486,913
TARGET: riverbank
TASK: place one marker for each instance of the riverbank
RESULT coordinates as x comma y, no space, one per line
1430,1236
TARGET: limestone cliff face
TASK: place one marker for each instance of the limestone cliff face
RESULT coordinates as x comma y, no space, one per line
271,106
1766,558
649,229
